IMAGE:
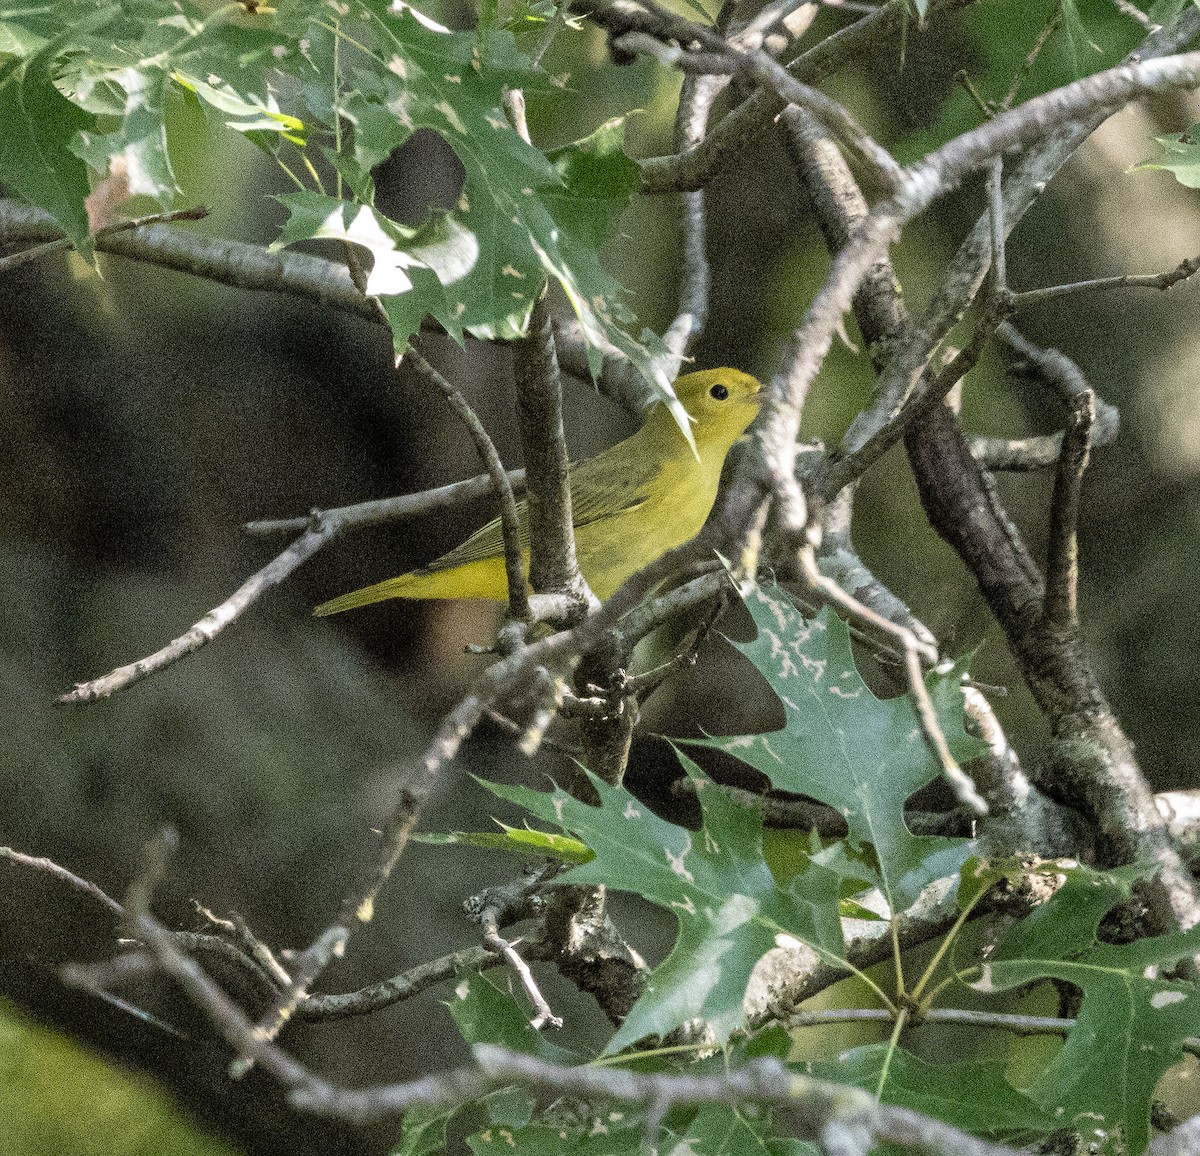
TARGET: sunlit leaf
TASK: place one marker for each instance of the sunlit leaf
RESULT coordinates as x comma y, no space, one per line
1181,157
517,841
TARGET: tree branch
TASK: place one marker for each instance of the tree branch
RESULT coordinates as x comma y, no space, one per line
514,562
695,167
553,567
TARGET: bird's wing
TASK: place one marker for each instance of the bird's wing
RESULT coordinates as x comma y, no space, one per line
486,542
595,495
605,486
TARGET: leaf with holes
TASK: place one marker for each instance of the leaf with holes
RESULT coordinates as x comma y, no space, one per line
1131,1023
840,744
730,908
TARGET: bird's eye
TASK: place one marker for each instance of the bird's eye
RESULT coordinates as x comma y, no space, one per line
719,392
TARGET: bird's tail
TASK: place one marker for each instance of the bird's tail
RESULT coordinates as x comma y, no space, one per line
479,578
392,588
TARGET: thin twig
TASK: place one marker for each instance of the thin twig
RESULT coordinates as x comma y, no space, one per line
1062,562
237,929
514,563
61,244
365,1001
691,124
841,562
622,16
49,867
379,511
1031,56
319,529
1135,13
810,1103
1019,1025
1059,373
888,430
212,624
1161,281
358,908
914,651
492,937
744,124
996,210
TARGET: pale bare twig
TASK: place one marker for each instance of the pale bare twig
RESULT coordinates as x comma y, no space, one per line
1019,1025
620,17
60,244
379,511
996,210
358,908
691,124
514,563
1161,281
1126,8
238,930
212,624
1043,37
235,263
876,430
810,1103
492,937
49,867
319,529
1060,607
376,996
696,166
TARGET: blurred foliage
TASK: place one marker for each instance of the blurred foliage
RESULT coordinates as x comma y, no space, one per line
119,1112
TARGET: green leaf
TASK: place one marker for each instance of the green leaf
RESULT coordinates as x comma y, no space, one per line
717,1131
973,1095
17,40
843,746
729,907
617,1137
440,244
141,140
1131,1023
246,114
515,840
598,182
39,126
85,85
1182,157
486,1015
424,1131
510,1107
1077,34
979,876
527,216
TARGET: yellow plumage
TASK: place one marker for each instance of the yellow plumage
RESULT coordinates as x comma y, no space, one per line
630,504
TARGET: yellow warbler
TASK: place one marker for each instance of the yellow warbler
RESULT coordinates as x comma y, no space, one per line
630,504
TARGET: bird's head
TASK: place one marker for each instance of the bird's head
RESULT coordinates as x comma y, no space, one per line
722,403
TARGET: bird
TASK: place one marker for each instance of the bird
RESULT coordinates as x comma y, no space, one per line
630,503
